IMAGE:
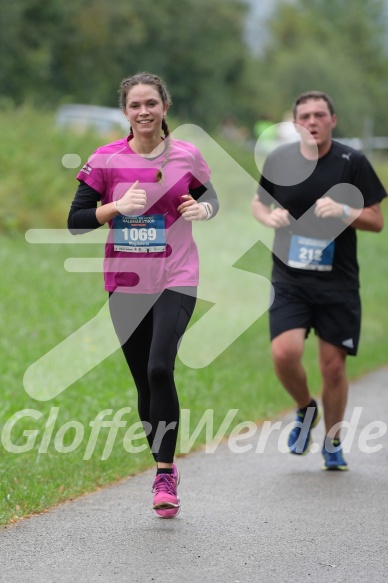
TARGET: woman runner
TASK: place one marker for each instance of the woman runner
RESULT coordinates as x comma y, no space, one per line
150,188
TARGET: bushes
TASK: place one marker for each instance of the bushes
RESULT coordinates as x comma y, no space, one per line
35,188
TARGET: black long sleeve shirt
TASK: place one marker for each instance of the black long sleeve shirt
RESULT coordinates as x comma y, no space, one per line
82,215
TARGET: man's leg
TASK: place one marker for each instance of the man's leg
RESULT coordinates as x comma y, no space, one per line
332,362
287,352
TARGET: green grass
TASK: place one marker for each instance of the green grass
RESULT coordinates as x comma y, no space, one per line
42,304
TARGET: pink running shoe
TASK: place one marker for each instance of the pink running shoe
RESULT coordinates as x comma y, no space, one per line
166,500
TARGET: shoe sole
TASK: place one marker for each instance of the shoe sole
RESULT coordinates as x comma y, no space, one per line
314,424
166,516
335,468
165,506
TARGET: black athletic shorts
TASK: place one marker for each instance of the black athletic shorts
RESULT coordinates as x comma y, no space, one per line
335,315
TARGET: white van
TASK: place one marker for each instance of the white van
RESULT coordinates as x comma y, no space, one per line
81,118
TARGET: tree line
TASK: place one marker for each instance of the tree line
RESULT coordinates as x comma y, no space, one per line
56,52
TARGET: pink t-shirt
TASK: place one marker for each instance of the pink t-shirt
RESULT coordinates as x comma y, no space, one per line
156,250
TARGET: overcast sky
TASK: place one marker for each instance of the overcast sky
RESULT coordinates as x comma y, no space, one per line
256,29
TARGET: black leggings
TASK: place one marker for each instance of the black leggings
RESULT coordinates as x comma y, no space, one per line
149,328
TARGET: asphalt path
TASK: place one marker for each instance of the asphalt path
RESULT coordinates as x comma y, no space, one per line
261,515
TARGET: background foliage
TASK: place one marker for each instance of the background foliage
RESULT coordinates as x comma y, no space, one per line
336,46
79,50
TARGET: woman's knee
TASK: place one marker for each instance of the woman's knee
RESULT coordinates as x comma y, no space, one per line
159,375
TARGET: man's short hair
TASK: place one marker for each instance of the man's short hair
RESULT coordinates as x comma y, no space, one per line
307,95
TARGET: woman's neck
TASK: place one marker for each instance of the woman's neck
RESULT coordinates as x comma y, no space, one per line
152,146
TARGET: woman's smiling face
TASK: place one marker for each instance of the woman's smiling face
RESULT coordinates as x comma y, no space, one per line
145,110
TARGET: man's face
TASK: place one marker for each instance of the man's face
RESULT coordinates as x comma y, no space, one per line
314,115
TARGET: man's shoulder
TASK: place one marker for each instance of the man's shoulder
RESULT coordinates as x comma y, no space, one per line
345,152
285,151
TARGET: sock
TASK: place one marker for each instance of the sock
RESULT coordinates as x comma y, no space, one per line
312,403
335,442
163,471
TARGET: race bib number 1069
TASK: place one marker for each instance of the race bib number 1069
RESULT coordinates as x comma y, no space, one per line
144,234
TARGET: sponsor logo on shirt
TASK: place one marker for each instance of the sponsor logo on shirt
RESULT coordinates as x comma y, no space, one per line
87,169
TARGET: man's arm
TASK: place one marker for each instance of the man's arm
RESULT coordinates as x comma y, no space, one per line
269,217
369,218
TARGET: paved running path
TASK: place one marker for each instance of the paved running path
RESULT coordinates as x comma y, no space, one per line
250,517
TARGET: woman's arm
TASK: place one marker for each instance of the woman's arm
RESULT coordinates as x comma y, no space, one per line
86,216
82,215
206,194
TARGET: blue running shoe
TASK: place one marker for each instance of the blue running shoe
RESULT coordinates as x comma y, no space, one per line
333,458
299,440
